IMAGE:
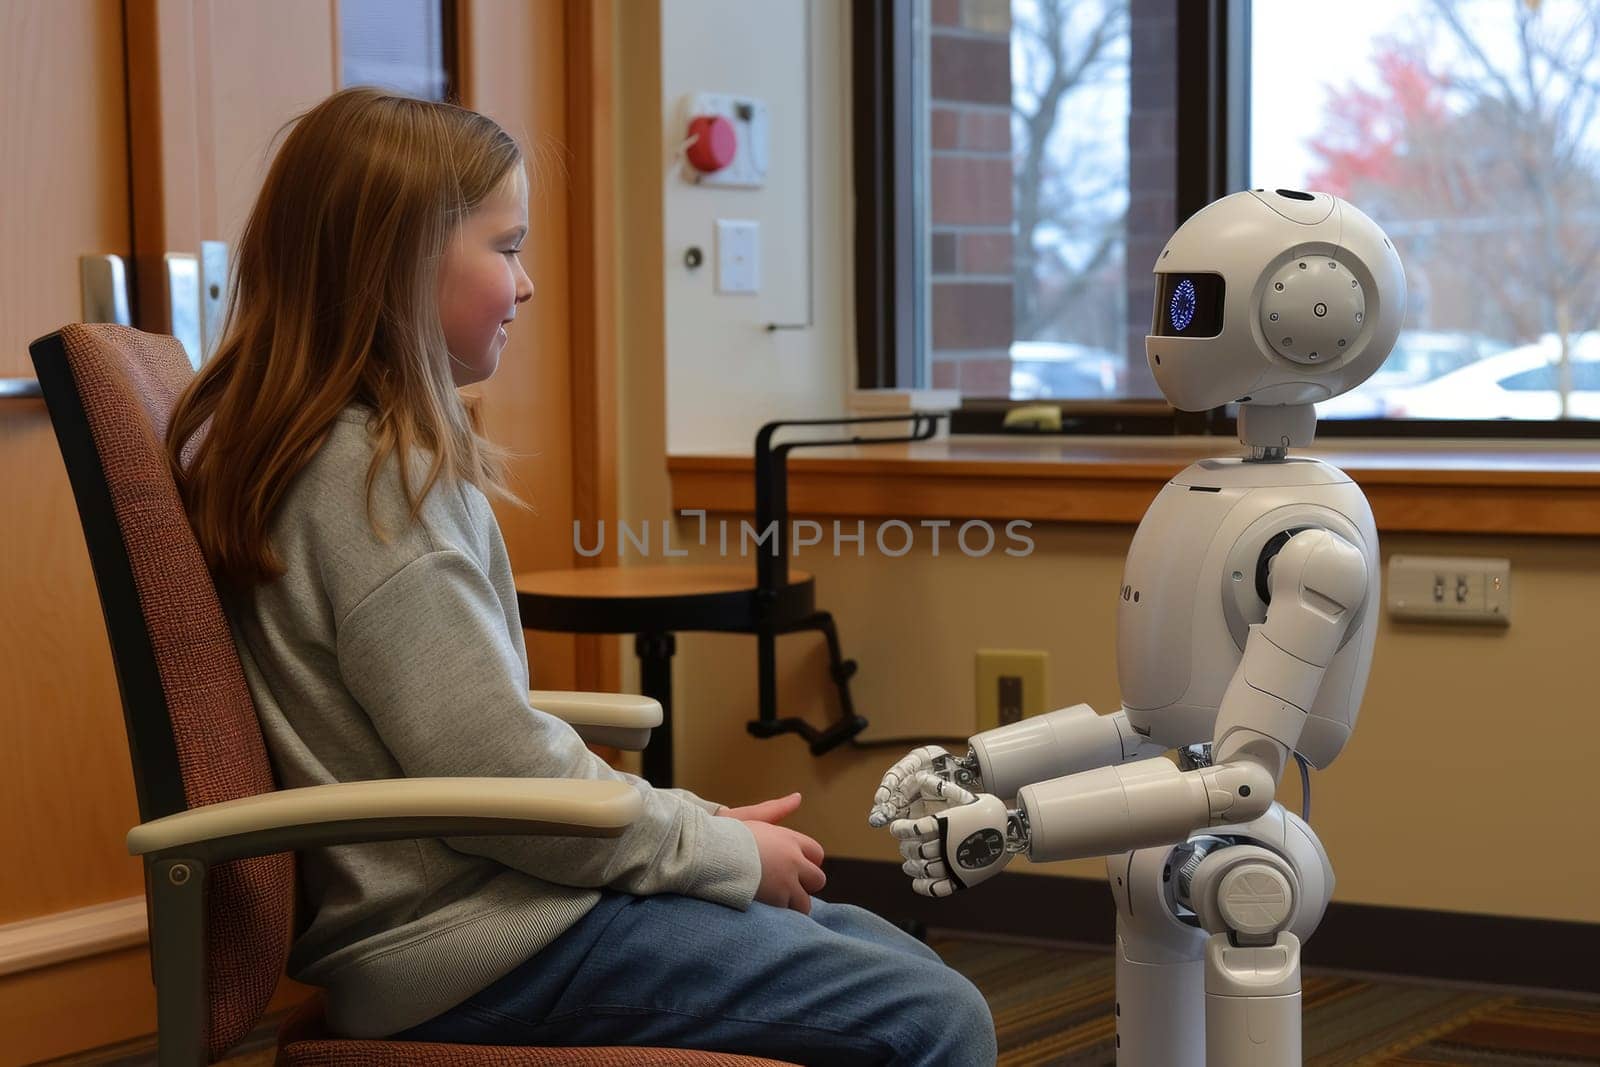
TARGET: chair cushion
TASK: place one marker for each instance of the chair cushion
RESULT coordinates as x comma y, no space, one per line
427,1054
303,1041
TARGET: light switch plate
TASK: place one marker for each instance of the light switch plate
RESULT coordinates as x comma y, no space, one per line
738,256
1450,589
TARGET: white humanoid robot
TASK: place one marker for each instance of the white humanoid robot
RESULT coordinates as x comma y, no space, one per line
1245,627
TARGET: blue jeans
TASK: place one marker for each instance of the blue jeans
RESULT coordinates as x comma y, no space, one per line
840,986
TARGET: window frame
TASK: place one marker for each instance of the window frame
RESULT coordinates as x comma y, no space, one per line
1212,149
450,54
885,276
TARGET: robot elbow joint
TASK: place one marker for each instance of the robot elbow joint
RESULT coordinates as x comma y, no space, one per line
1240,791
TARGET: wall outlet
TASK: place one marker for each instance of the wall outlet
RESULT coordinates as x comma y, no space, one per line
1010,686
1450,589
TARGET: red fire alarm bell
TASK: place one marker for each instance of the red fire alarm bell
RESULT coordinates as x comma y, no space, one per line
714,143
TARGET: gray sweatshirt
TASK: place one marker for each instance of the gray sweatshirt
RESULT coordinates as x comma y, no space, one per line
406,659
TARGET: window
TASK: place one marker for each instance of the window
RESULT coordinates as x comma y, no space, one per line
1470,131
1039,156
404,45
1022,162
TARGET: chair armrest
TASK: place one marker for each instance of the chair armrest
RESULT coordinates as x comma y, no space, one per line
618,719
390,809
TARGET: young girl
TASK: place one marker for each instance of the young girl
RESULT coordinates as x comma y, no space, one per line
341,497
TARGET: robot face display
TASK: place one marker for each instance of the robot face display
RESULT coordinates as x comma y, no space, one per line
1189,305
1273,297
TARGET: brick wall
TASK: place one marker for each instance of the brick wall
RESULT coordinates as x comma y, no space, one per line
970,260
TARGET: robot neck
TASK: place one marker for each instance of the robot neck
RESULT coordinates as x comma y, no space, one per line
1268,431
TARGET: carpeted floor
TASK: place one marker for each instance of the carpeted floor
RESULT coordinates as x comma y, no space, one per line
1053,1006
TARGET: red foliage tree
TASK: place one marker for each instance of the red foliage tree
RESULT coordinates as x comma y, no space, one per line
1366,134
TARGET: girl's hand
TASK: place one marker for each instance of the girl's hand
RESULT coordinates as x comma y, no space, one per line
790,870
791,862
774,811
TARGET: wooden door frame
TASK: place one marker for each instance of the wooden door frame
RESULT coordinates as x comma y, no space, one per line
169,172
591,128
588,40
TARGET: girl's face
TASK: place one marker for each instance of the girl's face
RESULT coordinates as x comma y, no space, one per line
481,281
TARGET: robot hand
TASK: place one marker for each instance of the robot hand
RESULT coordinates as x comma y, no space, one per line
956,848
901,795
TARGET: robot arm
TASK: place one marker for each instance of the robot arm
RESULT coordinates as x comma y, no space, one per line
1003,760
1318,583
1065,741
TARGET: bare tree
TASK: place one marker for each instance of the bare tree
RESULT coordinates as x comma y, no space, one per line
1064,48
1542,104
1487,173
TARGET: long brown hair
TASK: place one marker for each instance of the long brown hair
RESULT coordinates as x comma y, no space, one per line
334,301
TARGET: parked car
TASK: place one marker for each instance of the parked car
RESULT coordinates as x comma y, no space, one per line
1044,370
1419,356
1522,383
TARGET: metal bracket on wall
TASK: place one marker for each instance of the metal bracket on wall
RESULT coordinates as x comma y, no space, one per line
19,389
197,292
105,289
183,302
103,280
213,294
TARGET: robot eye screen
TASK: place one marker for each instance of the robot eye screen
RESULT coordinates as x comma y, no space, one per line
1188,305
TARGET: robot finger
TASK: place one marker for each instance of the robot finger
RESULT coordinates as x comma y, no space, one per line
935,788
923,829
922,850
934,887
893,787
883,815
926,868
887,804
886,792
903,768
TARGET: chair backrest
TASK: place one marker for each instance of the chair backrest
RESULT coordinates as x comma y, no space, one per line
192,729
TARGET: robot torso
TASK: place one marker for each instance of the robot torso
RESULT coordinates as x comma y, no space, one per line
1196,580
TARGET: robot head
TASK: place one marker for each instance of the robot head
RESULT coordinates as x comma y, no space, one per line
1273,297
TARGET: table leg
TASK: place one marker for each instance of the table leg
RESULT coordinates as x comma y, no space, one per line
655,681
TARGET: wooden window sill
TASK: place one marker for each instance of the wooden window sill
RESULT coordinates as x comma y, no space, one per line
1432,486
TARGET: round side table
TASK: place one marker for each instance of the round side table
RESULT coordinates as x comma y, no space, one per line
654,603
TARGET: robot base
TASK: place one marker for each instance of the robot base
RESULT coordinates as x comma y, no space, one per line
1161,998
1187,997
1253,1002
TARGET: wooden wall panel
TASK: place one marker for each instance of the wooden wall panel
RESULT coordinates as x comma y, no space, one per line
204,84
208,85
65,782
